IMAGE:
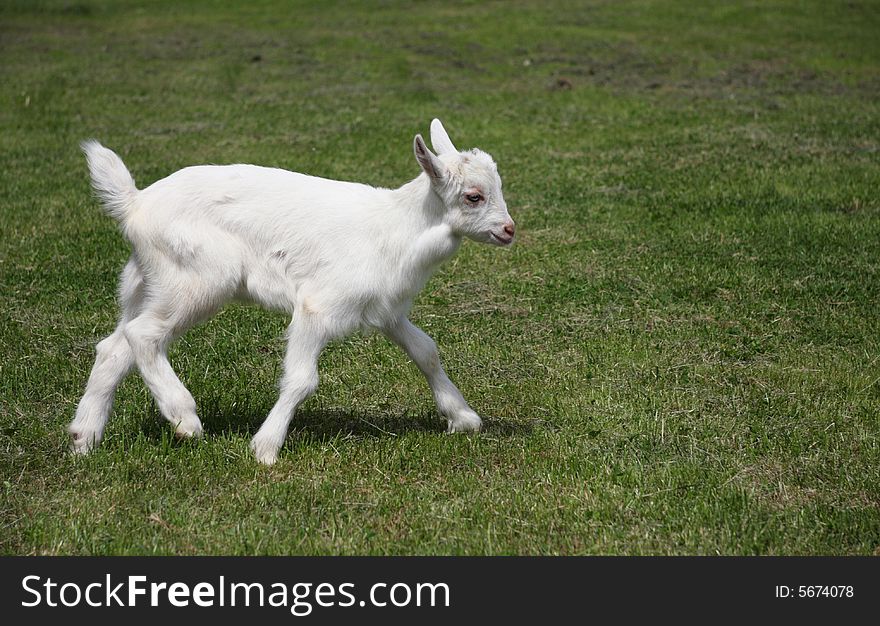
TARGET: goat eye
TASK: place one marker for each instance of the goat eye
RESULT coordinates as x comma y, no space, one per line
474,198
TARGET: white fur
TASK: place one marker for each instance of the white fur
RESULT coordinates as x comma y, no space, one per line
337,256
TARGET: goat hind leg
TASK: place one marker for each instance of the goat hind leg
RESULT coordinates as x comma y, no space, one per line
149,335
113,360
200,273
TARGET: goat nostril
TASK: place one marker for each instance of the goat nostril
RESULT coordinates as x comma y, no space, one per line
509,229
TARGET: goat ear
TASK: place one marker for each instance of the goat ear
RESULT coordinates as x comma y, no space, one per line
428,160
440,139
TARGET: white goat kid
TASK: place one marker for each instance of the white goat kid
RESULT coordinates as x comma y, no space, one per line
337,256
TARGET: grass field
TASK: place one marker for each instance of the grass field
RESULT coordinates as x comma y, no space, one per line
681,354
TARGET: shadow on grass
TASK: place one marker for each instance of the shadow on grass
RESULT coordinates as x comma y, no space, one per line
321,425
334,423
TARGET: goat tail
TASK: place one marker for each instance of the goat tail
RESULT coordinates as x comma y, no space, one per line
111,180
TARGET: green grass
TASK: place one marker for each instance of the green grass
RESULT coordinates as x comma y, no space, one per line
681,354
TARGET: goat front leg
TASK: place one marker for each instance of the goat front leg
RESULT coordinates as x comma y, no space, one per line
306,338
423,351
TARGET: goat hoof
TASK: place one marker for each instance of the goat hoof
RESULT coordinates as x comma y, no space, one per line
82,439
469,423
266,452
190,428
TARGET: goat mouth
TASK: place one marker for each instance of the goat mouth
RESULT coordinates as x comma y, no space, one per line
504,240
